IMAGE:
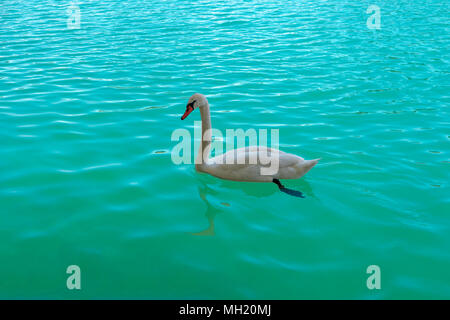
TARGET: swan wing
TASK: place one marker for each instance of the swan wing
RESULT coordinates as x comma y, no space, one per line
245,164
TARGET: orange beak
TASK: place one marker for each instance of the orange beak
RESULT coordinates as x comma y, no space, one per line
189,109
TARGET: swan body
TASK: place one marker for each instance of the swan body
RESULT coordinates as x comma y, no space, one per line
237,164
290,165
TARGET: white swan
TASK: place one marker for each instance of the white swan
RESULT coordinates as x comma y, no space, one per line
290,166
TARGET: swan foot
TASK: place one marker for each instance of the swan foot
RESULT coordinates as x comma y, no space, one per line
291,192
278,183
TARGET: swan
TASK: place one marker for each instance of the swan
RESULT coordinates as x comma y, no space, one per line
290,166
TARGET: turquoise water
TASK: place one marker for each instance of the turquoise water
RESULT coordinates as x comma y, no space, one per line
86,172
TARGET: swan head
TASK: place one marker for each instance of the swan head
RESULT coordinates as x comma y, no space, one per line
195,101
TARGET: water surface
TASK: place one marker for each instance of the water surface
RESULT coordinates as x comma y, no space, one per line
87,178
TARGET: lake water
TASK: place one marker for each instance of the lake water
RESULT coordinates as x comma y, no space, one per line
86,172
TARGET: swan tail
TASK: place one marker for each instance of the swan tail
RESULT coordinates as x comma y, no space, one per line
309,164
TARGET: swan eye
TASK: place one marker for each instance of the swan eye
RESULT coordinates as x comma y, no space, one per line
192,104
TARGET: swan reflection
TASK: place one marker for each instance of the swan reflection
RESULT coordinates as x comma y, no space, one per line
257,190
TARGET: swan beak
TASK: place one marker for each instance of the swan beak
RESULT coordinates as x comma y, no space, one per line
189,109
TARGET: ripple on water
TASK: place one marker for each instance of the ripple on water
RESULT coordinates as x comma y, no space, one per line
85,160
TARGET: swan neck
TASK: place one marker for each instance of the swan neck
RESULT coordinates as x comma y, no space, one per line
205,146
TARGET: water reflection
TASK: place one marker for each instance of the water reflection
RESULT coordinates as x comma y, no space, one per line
263,190
211,212
253,189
